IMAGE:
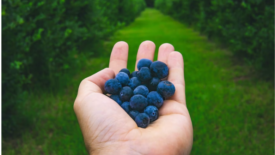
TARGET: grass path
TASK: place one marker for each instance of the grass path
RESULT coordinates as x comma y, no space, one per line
232,112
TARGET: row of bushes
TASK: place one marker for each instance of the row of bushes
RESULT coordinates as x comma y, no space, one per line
43,38
246,27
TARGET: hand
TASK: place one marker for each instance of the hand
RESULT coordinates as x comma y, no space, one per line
108,129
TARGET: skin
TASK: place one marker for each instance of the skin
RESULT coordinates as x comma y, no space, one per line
108,129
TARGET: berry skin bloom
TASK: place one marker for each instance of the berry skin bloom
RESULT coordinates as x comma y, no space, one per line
144,63
152,112
112,86
126,93
125,70
134,82
142,90
134,74
155,99
144,74
138,102
159,69
133,114
142,120
123,78
153,84
116,98
126,106
166,89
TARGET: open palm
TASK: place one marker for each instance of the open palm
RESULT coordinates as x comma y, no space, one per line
108,129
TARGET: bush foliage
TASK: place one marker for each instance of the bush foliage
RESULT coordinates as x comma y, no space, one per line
246,27
43,38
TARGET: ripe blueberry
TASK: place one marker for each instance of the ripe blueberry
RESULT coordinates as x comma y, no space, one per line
125,70
138,102
134,74
152,112
144,63
126,93
142,120
155,99
126,106
144,74
134,82
116,98
153,84
123,78
142,90
112,86
133,114
159,69
166,89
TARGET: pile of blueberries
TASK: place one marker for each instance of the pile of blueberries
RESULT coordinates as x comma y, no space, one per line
142,92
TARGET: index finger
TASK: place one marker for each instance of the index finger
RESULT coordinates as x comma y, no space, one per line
119,56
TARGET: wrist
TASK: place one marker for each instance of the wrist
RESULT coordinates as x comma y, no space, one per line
110,149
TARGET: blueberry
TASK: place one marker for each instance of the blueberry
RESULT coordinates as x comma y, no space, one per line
126,93
133,114
153,84
166,89
138,102
134,74
112,86
144,63
155,99
126,106
134,82
144,74
142,90
152,112
159,69
142,120
123,78
125,70
116,98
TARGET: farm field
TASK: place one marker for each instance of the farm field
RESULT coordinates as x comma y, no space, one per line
232,111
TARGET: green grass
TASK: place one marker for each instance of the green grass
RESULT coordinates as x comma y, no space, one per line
231,110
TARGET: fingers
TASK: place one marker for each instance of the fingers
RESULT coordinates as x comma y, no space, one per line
119,56
95,83
176,75
164,51
146,50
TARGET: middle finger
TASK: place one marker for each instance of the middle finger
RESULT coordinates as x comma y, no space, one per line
146,50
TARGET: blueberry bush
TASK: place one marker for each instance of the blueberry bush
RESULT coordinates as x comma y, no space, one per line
245,27
43,40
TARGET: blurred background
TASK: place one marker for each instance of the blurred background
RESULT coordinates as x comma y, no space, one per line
48,47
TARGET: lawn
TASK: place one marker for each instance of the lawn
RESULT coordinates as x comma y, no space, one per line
232,110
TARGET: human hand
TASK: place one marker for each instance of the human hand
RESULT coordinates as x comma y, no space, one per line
108,129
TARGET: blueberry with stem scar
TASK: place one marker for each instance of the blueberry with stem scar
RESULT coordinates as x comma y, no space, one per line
152,112
142,120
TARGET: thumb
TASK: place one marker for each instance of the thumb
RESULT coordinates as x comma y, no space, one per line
95,83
